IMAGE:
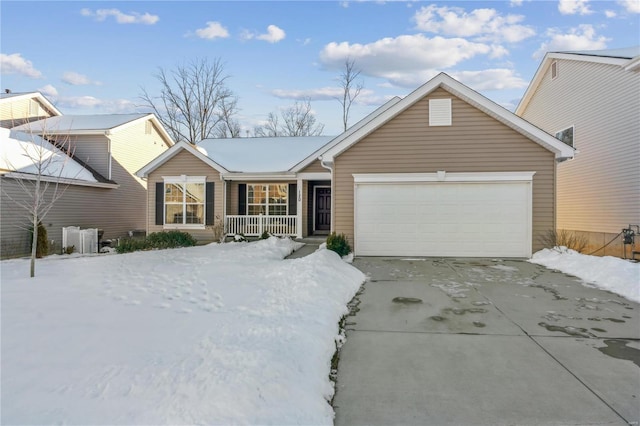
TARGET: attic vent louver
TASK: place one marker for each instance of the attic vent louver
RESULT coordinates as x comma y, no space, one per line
439,112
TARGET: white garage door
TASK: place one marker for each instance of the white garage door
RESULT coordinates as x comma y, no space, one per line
444,218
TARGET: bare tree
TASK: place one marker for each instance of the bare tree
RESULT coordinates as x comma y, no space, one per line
351,89
297,120
194,102
40,178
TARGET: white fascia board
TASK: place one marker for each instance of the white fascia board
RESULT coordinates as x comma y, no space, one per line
171,152
335,141
633,64
314,176
61,181
239,176
442,176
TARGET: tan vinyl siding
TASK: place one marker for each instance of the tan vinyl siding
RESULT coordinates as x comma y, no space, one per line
184,163
314,167
16,112
93,150
474,143
232,198
83,206
599,190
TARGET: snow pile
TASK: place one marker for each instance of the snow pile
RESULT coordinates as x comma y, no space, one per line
608,273
216,334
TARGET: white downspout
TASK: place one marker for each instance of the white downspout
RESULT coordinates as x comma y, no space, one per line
299,208
329,166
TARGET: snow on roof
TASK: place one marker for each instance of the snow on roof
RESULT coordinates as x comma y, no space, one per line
622,53
20,152
259,155
66,123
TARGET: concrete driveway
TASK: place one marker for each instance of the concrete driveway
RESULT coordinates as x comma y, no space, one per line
486,342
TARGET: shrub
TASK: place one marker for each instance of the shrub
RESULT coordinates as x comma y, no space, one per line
171,239
218,230
70,249
42,244
564,238
339,244
265,235
127,245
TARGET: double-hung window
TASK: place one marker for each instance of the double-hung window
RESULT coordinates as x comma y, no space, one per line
267,199
184,201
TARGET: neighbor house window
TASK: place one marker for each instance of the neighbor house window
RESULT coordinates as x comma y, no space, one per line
566,136
184,200
268,199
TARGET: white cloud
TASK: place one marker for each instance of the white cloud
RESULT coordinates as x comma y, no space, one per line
631,6
610,13
406,60
483,24
16,64
515,3
49,91
212,31
274,34
490,79
76,79
120,17
107,106
583,37
572,7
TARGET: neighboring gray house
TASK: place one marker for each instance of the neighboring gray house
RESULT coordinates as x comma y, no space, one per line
591,101
112,147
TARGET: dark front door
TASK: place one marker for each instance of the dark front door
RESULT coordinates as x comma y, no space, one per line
323,209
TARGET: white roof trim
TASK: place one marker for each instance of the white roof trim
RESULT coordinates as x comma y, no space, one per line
171,152
363,122
442,176
470,96
33,95
239,176
60,180
551,56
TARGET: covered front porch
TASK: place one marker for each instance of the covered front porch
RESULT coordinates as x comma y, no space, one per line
291,205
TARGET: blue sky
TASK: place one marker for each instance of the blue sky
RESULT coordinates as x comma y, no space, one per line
94,57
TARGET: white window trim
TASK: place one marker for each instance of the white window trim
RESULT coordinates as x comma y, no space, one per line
184,179
267,203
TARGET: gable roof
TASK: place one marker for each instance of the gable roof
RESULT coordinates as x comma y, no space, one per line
444,81
627,58
23,154
104,124
6,98
172,152
363,122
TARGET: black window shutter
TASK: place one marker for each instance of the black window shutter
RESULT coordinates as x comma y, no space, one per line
210,191
293,199
242,199
159,203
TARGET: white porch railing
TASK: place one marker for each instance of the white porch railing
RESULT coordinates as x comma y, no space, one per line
252,226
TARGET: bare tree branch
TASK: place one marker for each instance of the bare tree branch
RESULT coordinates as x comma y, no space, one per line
194,102
297,120
351,89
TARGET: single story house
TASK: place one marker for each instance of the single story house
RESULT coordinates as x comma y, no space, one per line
441,172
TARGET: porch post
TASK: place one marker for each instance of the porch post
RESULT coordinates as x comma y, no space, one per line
299,208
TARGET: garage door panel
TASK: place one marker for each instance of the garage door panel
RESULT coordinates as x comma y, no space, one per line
443,219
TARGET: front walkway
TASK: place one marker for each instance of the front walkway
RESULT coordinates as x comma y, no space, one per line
486,342
311,244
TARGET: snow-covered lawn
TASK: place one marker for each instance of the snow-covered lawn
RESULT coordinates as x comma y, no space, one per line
608,273
217,334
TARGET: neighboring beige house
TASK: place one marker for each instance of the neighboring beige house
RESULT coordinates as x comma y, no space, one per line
112,147
20,108
591,101
442,172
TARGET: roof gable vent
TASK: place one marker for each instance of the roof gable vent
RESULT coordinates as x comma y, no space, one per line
439,112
